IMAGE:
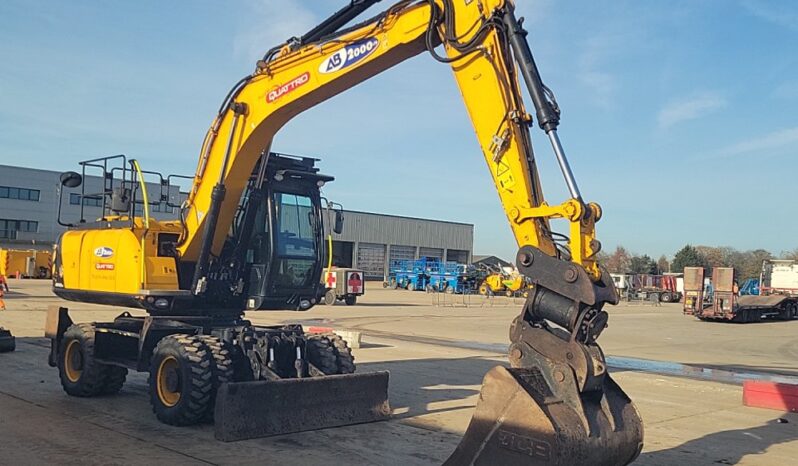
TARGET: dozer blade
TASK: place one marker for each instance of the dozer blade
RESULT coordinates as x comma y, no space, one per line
518,421
247,410
7,341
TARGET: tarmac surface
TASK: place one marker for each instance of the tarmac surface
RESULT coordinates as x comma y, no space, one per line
437,349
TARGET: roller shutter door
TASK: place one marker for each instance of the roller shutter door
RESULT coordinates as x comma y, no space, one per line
430,252
457,255
371,259
399,253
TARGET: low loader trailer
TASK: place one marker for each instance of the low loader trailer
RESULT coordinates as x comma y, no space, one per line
726,303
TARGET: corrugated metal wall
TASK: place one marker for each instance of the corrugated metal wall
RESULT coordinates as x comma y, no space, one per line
388,229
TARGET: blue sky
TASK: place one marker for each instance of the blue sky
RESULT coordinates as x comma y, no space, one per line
679,117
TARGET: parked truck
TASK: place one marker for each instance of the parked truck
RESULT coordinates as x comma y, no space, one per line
777,298
648,287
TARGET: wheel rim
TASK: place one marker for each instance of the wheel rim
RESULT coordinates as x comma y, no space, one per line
73,361
168,381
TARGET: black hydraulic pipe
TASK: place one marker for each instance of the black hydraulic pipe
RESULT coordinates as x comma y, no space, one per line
337,20
212,217
548,119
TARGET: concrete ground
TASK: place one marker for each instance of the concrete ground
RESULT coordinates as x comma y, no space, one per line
437,351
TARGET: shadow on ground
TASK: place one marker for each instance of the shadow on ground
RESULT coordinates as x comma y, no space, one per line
726,447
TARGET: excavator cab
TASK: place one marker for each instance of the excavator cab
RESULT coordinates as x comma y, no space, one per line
283,233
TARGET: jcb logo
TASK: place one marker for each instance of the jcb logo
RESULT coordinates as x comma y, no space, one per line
526,445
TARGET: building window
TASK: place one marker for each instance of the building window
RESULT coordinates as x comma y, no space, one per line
92,201
154,207
23,194
9,228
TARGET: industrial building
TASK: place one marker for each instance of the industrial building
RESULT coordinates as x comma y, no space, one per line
369,241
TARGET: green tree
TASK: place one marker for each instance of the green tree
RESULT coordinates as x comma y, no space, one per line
642,264
688,256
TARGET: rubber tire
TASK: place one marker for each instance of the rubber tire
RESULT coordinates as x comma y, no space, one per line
195,361
392,285
666,297
410,287
321,353
350,300
789,311
222,367
330,298
318,345
483,289
343,354
95,378
449,290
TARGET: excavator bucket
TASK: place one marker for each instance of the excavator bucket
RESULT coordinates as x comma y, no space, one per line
521,420
247,410
7,341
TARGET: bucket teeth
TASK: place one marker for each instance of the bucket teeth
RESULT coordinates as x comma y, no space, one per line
518,422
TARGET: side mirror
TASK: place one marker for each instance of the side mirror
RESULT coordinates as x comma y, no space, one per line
71,179
338,227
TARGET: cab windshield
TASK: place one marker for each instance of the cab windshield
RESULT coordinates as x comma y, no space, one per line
295,240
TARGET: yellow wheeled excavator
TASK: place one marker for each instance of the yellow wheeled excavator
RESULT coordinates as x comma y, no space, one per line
250,237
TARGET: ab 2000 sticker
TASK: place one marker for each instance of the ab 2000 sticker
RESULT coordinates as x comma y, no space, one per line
349,55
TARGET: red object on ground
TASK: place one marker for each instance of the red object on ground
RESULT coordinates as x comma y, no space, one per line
771,395
319,329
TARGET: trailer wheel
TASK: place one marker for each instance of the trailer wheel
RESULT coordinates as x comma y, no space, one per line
181,380
222,367
350,300
329,297
789,311
81,375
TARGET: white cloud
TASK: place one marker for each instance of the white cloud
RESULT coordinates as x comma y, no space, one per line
269,23
770,142
689,109
780,12
597,50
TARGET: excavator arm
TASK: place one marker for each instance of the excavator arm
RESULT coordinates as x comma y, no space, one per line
556,404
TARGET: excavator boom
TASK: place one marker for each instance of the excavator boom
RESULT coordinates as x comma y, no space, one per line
557,404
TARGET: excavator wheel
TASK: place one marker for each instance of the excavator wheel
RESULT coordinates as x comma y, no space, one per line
181,379
222,367
330,354
80,374
483,289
